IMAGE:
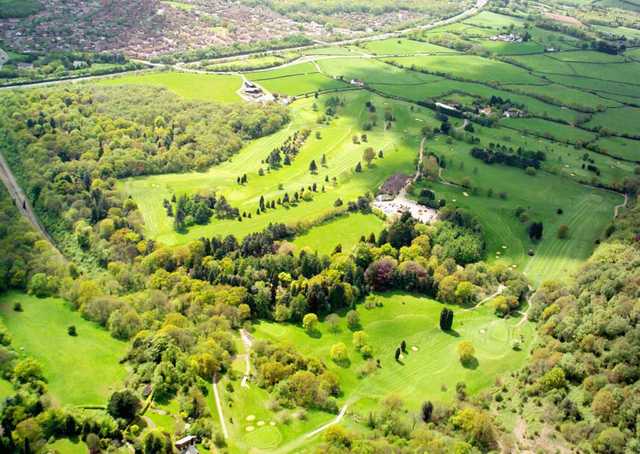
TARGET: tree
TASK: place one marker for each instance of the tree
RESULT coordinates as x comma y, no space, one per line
426,411
72,331
154,442
466,352
358,167
333,321
359,339
535,230
313,167
353,320
124,404
339,353
465,293
403,346
310,323
398,353
369,155
446,319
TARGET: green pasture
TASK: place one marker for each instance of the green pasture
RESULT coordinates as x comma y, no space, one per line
566,96
373,72
506,48
620,147
603,87
302,84
400,146
345,230
241,64
403,46
289,70
470,67
488,19
430,369
545,128
204,87
624,120
81,370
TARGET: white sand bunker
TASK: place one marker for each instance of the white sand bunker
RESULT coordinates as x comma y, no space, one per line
250,429
465,194
414,348
504,246
260,423
251,418
482,331
272,423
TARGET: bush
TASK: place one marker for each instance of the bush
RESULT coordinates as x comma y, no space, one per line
71,331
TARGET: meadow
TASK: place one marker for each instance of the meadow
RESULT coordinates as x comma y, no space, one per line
80,370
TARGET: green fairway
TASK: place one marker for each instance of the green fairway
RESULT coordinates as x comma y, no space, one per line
587,211
429,372
203,87
81,370
623,120
399,144
345,230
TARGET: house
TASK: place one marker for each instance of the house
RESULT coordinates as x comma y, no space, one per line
357,82
513,113
187,445
77,64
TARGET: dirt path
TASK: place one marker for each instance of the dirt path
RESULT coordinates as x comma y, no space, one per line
216,395
488,298
334,421
247,341
20,199
616,209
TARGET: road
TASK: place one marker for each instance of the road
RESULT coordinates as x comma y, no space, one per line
20,199
500,289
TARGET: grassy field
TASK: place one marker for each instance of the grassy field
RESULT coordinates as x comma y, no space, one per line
204,87
624,120
345,230
429,372
82,370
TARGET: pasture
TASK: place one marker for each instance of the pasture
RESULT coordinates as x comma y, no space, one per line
204,87
80,370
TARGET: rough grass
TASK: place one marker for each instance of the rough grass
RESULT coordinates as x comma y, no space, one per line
204,87
82,370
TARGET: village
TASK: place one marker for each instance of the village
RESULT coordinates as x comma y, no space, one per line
151,28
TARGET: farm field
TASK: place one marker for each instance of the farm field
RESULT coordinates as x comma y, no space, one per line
204,87
88,371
